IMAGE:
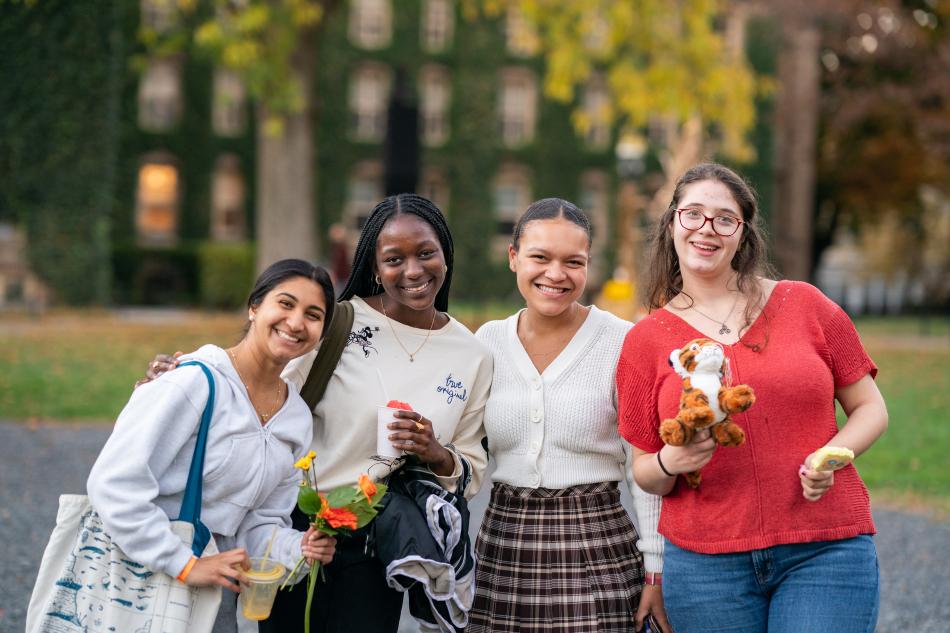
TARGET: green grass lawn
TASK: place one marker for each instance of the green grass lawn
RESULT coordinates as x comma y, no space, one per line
81,366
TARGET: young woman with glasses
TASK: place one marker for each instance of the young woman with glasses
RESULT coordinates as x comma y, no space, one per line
765,543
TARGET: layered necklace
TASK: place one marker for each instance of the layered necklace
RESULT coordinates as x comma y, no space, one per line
725,329
277,400
411,355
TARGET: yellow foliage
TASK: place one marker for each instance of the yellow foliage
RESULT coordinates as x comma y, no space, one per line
187,6
208,35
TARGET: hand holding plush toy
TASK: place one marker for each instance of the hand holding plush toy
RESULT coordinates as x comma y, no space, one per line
705,401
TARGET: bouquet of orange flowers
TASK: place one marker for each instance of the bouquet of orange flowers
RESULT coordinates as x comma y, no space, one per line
338,513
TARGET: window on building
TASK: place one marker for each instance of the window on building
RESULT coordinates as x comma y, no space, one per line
160,96
594,187
369,96
371,23
156,201
597,112
521,36
434,185
363,192
157,15
511,195
228,198
435,95
518,102
228,114
438,25
596,31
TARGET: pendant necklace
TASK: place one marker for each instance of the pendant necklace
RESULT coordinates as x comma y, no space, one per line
725,329
411,355
264,416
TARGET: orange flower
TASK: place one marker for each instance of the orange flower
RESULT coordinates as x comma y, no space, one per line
367,487
338,517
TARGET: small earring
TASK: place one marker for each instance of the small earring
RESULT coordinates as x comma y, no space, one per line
445,268
379,282
250,318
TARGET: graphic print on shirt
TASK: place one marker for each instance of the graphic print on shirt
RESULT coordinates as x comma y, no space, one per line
454,389
362,338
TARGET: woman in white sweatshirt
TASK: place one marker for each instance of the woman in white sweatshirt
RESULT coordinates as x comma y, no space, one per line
556,549
259,427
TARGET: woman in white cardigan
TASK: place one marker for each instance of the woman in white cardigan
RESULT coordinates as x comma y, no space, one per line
556,548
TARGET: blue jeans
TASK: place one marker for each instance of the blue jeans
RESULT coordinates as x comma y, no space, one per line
799,588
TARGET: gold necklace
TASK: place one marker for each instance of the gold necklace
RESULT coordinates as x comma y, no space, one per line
264,416
412,355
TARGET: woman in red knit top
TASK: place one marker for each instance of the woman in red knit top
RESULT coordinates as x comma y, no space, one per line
763,544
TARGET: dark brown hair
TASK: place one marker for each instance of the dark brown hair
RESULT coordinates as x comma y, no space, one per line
663,278
549,209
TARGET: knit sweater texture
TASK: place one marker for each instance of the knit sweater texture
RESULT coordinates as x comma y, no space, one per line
798,351
447,382
249,483
558,428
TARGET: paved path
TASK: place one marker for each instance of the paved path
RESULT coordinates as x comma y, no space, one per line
36,465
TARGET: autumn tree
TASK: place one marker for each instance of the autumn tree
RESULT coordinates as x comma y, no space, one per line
272,46
664,62
884,145
677,67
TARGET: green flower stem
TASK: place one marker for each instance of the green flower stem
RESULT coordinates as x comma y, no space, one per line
311,583
293,572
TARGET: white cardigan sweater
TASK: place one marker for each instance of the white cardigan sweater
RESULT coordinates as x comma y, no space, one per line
559,429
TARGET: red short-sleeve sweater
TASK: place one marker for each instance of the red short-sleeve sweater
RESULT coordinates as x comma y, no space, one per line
797,352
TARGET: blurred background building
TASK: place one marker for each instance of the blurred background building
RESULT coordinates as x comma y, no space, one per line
133,171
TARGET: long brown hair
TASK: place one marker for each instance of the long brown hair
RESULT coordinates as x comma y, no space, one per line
663,278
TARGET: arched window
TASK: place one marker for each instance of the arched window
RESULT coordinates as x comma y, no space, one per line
371,23
228,111
228,199
436,93
160,96
517,106
434,185
369,96
438,25
363,192
156,201
596,106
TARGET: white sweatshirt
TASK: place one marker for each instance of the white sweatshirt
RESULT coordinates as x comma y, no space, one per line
447,382
138,480
559,429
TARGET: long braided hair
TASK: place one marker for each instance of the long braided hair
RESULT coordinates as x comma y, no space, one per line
361,283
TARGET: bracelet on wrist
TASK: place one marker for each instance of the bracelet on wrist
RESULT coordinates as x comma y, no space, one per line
187,570
662,467
653,578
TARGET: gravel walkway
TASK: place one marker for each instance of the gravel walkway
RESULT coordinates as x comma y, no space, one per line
37,464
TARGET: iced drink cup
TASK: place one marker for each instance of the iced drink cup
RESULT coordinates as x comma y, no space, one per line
257,597
384,446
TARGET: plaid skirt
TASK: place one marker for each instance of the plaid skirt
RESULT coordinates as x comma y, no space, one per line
556,560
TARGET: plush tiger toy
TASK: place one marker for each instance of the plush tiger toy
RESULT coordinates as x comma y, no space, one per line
705,401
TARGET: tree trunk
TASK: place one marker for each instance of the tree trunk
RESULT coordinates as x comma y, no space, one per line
286,224
796,133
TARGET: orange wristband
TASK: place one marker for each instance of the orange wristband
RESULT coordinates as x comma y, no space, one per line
187,570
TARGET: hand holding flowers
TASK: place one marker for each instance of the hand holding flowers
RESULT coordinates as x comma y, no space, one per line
340,512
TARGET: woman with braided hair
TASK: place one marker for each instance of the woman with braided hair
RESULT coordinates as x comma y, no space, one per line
402,345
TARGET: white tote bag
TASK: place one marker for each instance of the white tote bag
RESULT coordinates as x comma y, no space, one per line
86,584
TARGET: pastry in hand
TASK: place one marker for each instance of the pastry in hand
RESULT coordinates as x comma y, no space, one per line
831,458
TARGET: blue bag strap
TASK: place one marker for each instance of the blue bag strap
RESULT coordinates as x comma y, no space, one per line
191,503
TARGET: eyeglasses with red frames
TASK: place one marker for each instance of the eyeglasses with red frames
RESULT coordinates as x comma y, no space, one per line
722,225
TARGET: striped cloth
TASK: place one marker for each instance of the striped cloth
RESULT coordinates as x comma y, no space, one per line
556,560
